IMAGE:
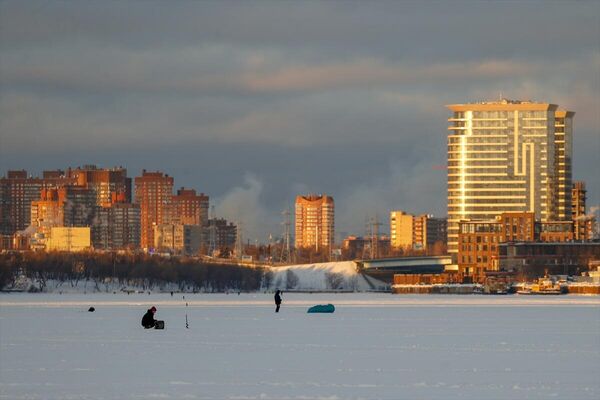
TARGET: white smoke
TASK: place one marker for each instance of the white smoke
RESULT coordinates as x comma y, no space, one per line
243,205
418,189
29,231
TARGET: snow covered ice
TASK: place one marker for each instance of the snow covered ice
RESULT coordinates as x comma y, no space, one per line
375,346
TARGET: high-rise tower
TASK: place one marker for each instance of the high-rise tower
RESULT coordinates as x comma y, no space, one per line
506,156
563,154
153,192
315,224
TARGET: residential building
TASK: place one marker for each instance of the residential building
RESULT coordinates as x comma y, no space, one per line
168,238
506,156
315,222
153,193
48,211
518,227
64,206
556,231
178,238
117,227
582,222
103,181
189,208
401,229
428,230
419,232
17,191
479,239
563,158
79,205
219,236
478,246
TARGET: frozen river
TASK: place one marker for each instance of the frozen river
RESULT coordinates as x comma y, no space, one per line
375,346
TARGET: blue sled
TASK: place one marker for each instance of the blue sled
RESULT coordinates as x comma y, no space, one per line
322,308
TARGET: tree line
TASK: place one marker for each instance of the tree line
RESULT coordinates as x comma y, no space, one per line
141,270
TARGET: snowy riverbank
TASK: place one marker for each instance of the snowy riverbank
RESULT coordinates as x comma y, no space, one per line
334,276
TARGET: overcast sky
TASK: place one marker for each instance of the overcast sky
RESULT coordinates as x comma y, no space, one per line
254,102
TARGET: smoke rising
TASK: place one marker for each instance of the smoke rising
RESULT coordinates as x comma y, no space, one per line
416,189
244,206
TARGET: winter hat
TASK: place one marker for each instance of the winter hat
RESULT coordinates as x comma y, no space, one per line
153,309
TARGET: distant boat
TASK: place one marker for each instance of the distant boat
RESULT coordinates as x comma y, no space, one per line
543,287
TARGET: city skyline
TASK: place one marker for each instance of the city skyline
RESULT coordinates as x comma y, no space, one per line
338,98
400,198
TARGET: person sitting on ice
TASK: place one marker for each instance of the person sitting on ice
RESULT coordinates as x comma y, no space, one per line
148,320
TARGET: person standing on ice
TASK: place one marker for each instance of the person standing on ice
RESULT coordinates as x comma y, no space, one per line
277,300
148,320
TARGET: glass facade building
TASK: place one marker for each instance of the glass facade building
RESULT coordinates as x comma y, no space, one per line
507,156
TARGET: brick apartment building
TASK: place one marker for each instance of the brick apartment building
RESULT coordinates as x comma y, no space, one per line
18,190
188,208
478,241
153,193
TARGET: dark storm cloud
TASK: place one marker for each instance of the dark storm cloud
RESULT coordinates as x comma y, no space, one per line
254,102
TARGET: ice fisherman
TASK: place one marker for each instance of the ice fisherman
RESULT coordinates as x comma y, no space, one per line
277,300
148,320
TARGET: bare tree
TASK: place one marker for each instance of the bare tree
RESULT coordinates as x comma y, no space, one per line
335,280
353,283
267,279
291,279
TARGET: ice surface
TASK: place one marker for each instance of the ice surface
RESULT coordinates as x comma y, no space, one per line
375,346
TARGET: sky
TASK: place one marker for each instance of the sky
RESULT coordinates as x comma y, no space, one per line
255,102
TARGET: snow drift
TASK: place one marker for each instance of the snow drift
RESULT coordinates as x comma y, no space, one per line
341,276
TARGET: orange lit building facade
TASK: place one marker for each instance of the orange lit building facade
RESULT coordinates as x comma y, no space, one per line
315,222
478,240
105,182
153,193
188,208
419,232
48,211
72,206
18,190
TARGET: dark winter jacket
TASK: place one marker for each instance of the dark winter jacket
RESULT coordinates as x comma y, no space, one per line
148,320
277,297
